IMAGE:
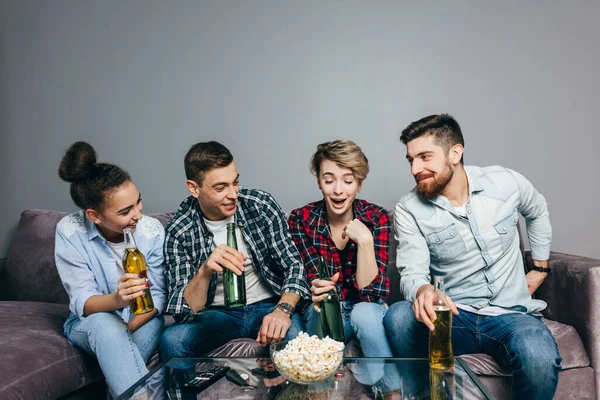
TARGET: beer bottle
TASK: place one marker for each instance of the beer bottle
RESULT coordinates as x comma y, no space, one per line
440,339
331,312
234,286
134,262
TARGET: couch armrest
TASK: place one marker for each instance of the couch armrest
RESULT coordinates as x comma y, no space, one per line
572,291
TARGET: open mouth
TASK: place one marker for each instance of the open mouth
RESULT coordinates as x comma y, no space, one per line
338,203
229,206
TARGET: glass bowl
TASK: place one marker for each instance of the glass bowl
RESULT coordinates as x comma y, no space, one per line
305,368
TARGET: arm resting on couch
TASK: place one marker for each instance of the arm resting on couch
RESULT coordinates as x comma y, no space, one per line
572,291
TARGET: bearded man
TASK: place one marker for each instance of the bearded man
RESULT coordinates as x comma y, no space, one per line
460,222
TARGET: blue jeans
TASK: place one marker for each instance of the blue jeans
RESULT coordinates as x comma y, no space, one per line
217,326
363,321
122,355
519,342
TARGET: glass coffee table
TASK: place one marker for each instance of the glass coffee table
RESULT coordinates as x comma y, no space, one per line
357,378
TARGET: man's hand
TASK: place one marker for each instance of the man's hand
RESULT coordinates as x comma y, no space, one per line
130,286
534,280
225,257
423,306
274,327
320,288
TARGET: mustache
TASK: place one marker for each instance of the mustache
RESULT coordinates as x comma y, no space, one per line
423,175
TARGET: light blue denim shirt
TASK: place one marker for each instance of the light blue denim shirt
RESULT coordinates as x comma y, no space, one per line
87,268
478,256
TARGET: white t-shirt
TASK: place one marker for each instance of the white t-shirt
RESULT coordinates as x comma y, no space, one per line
257,288
116,251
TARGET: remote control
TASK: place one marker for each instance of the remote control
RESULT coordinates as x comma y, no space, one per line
205,378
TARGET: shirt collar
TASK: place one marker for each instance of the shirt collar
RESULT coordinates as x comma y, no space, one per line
318,216
91,227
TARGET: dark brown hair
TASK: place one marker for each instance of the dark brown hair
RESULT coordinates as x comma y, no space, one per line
443,127
202,157
90,181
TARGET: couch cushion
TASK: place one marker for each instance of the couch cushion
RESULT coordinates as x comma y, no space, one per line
569,344
37,361
30,273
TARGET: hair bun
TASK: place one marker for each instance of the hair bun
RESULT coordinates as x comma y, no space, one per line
78,162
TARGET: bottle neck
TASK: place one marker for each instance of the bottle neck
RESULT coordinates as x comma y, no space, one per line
129,239
231,238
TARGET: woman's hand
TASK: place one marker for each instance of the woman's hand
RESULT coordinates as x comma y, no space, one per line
130,286
320,289
358,232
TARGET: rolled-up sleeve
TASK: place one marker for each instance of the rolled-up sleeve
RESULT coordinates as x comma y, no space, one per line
380,285
156,273
179,271
534,209
412,259
75,274
284,252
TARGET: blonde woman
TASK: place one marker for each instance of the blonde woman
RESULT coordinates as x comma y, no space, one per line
353,236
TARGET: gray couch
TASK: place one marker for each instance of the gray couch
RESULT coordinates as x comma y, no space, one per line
37,361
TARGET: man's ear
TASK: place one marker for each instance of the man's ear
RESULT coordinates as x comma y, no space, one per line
193,188
456,153
93,215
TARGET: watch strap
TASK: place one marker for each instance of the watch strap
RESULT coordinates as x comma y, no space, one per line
541,269
286,308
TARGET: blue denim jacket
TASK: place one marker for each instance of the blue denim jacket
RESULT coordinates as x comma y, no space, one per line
87,268
478,256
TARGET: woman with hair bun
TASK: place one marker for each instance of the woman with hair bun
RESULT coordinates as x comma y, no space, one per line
88,253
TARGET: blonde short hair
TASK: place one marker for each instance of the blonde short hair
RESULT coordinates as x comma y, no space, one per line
344,153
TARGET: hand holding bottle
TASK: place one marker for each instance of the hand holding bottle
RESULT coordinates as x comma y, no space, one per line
320,289
424,303
225,257
129,287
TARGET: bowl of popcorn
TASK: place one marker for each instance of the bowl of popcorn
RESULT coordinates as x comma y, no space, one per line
307,359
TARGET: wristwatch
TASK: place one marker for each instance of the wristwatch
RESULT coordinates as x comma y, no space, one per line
286,308
541,269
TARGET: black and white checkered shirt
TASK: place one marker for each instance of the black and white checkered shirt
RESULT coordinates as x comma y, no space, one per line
264,226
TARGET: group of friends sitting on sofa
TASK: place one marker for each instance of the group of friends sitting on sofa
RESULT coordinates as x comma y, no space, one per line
459,222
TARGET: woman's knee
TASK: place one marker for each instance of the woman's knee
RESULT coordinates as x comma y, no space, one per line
367,315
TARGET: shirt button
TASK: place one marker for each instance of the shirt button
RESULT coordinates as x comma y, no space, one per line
451,233
485,253
504,229
469,212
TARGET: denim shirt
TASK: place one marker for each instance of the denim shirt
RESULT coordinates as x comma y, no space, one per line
478,255
87,268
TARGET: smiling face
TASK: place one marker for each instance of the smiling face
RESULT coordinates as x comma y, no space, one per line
339,188
218,194
122,208
430,165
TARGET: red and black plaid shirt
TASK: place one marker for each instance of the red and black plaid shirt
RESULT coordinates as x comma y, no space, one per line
311,233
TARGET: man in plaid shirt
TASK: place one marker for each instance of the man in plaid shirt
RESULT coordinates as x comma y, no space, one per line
196,255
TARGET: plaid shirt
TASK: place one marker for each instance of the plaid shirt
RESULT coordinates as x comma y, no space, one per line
189,243
311,233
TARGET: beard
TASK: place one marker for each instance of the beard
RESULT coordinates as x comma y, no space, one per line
433,188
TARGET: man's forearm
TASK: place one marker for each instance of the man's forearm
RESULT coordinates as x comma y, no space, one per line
196,292
290,298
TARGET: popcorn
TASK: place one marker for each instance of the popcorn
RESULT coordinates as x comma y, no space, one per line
308,358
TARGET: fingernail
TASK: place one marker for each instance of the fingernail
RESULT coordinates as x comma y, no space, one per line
147,285
140,276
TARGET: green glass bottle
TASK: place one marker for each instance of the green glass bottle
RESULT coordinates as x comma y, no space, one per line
331,312
234,286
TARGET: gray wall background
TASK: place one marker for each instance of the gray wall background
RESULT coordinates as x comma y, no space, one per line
144,80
